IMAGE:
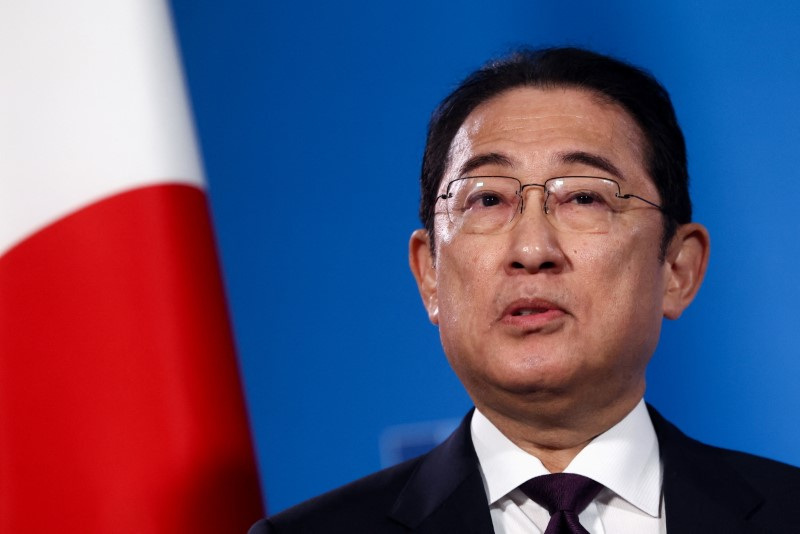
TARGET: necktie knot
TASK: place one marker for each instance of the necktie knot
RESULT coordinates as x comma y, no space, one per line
564,495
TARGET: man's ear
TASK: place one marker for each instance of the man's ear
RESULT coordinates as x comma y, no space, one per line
422,265
685,266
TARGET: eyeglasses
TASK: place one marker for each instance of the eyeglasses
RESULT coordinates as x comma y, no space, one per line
488,204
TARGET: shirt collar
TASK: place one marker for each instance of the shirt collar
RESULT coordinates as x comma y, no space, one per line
625,459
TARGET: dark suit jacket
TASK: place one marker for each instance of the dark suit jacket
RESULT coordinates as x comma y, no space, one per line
706,490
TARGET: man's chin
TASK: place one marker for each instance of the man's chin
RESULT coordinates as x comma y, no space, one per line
542,383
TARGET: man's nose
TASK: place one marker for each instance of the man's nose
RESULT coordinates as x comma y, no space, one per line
535,244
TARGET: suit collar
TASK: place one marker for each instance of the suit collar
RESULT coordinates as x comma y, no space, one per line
702,492
445,493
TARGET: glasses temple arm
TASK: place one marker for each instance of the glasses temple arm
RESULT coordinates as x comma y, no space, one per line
629,195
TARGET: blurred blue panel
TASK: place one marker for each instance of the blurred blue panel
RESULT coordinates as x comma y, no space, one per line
312,118
399,443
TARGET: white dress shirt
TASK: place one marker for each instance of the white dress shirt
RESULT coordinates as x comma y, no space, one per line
624,459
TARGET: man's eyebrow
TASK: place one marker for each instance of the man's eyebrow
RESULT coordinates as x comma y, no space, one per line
592,160
492,158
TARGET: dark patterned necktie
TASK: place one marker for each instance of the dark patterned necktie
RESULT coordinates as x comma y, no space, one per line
565,495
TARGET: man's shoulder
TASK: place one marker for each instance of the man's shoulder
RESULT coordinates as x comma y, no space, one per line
757,470
702,482
759,490
440,491
365,501
770,477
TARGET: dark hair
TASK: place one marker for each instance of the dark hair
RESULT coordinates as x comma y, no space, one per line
635,90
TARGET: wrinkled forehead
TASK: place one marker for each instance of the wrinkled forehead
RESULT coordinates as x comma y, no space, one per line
528,124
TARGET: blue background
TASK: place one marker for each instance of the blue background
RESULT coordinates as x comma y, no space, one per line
311,118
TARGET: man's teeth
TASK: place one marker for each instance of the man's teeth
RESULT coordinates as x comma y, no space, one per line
528,311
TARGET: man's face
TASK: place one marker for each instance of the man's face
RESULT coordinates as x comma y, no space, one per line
535,311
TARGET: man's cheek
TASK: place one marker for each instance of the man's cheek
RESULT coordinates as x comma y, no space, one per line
443,230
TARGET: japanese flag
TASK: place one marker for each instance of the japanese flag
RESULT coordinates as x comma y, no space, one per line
120,401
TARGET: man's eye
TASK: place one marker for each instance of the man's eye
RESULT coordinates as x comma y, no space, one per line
585,198
484,200
489,200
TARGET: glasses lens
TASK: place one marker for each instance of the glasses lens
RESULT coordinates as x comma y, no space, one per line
582,204
483,204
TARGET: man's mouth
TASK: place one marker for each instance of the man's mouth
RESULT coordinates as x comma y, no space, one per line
528,311
531,312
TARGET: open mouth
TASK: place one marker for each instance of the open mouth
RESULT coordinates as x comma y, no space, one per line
529,311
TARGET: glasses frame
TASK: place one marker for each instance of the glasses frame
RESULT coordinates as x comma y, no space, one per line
447,194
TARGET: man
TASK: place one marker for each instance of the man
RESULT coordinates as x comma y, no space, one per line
557,236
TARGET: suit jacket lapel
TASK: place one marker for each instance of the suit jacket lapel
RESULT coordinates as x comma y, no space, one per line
445,493
702,493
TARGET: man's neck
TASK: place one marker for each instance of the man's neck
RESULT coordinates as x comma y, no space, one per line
557,438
